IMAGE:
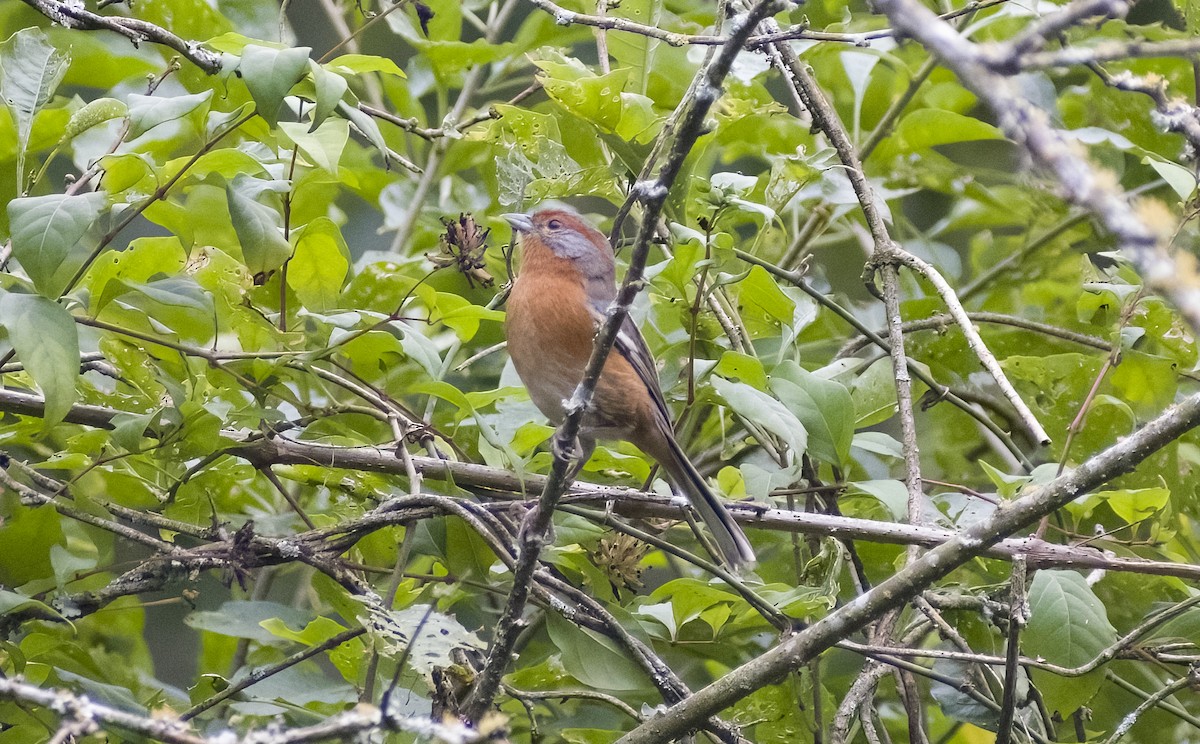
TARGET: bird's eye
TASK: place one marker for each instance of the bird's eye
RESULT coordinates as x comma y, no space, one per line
554,224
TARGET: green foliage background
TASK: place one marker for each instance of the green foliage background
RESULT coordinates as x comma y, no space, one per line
245,253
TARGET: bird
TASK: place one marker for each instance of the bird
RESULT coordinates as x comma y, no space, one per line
556,304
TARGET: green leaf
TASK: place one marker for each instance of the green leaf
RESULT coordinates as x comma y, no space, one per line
329,89
318,268
317,631
246,619
14,602
45,229
269,75
765,411
46,341
30,71
356,64
324,146
891,493
367,126
1132,505
1068,626
175,303
593,659
740,367
925,128
93,113
25,541
147,112
763,305
823,406
257,226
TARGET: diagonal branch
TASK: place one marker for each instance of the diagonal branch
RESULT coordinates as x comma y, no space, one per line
1012,516
653,195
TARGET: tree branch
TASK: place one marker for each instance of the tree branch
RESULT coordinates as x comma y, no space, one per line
797,650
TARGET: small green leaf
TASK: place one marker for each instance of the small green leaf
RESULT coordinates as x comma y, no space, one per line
1133,505
356,64
318,268
93,113
366,126
329,89
147,112
893,494
765,411
763,305
45,229
324,146
30,71
46,341
177,304
270,74
741,367
926,128
246,619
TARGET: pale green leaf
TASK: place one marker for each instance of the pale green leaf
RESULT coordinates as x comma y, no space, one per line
45,229
270,73
30,71
319,266
46,341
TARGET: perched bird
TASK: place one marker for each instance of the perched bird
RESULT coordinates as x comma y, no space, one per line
558,301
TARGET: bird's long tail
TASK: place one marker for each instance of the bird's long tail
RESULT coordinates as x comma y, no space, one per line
731,542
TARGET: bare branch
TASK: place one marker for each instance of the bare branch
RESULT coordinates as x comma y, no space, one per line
74,15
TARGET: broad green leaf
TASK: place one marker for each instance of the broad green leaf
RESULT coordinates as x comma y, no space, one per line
127,171
395,634
25,540
823,406
317,631
245,619
177,304
30,71
891,493
232,42
318,268
1132,505
13,602
741,367
45,229
925,128
636,51
147,112
257,225
593,98
323,146
46,341
144,258
1068,626
269,75
367,126
593,659
765,411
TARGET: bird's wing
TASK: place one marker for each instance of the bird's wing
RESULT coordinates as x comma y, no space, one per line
632,347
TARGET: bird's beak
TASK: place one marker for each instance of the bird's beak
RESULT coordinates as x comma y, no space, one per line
519,222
